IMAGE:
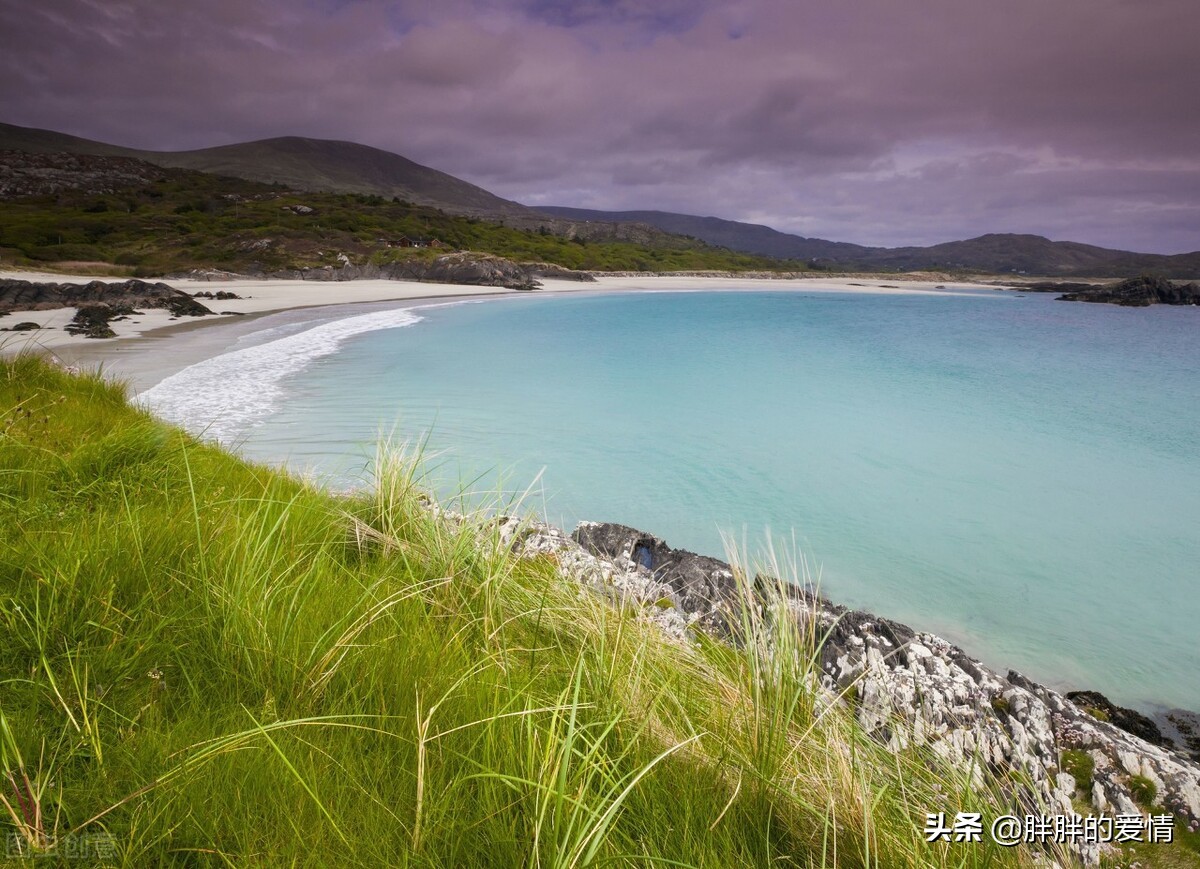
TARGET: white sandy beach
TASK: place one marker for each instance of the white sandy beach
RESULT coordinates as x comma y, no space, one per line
257,297
153,344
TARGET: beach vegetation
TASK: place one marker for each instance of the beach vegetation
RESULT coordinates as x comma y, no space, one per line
1080,765
1143,791
208,662
1097,713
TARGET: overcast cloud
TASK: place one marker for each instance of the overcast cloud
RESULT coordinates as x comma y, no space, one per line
871,121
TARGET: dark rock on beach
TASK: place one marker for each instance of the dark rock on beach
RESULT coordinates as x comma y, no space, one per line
98,303
182,305
1139,293
27,326
30,296
91,321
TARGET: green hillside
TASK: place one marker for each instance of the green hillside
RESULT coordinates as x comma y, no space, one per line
174,220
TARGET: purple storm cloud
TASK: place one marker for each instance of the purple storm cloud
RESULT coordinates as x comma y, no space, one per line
876,122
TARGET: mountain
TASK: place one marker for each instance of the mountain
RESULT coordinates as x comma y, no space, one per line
321,165
994,252
304,164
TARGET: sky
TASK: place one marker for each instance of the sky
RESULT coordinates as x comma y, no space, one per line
880,122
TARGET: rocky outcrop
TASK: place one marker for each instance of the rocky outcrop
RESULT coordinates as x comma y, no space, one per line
1139,292
908,688
698,585
557,272
1131,721
343,272
461,267
465,267
30,296
29,174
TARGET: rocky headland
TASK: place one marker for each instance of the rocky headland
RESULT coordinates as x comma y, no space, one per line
910,689
1136,292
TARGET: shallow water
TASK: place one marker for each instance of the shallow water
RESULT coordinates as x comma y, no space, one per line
1017,474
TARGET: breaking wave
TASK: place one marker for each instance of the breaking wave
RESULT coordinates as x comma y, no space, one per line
222,397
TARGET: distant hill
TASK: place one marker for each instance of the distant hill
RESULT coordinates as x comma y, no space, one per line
303,164
321,165
995,253
1033,254
746,237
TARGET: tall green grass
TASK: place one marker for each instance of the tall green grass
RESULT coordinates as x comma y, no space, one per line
204,662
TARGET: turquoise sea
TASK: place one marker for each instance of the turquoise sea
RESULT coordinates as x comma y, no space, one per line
1019,475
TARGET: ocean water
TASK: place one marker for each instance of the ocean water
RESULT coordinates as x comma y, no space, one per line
1016,474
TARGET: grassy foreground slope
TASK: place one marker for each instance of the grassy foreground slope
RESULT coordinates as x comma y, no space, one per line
204,662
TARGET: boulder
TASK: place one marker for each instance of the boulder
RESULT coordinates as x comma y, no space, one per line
91,321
